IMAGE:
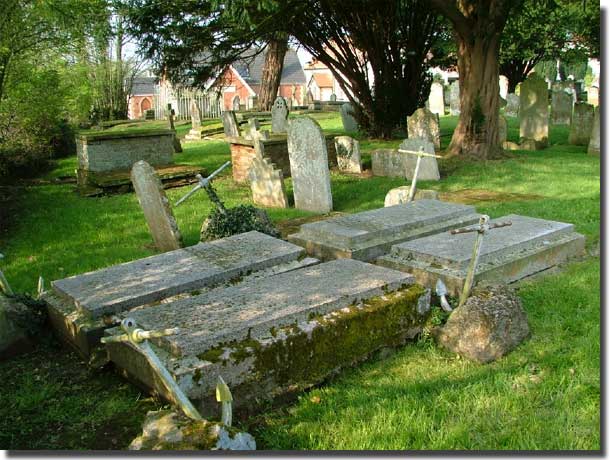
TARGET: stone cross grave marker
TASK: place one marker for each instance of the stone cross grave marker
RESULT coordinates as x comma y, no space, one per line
267,184
309,166
423,124
534,110
594,142
436,99
582,124
561,108
206,184
229,124
279,115
454,98
348,154
428,166
420,156
195,115
347,118
156,207
171,113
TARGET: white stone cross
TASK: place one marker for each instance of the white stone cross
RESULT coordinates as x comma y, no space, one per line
420,154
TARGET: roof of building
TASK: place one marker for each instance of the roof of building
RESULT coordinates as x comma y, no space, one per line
143,86
314,64
251,69
323,80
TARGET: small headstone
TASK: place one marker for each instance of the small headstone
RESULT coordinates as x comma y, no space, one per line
400,195
454,100
582,124
534,110
428,167
503,81
502,129
229,124
423,124
156,207
267,184
309,166
333,97
350,124
561,108
348,154
252,129
512,105
252,102
594,142
236,103
593,95
437,98
195,115
279,115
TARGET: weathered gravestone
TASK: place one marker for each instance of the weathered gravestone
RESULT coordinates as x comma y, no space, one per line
348,154
333,97
561,108
454,101
13,339
156,207
229,123
508,254
594,142
369,234
400,195
267,184
423,124
195,115
350,124
593,95
582,124
503,82
394,163
236,104
279,115
436,100
277,335
534,110
79,305
309,166
512,105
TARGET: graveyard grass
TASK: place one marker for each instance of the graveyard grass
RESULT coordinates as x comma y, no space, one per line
544,395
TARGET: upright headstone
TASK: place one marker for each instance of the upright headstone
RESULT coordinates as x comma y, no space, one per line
502,129
582,124
236,104
594,142
348,154
428,166
309,166
593,95
503,81
561,108
333,97
512,105
534,110
454,99
156,207
437,98
229,123
252,102
350,124
267,184
195,115
423,124
279,115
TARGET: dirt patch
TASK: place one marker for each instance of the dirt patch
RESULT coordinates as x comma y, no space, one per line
290,226
474,196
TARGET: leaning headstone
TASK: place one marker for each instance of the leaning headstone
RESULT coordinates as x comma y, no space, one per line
503,81
348,154
561,108
309,166
279,115
229,124
454,101
428,166
350,124
512,105
400,195
582,124
195,115
267,184
156,207
534,110
437,98
594,142
423,124
502,129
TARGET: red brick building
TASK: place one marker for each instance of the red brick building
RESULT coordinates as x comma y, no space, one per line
142,97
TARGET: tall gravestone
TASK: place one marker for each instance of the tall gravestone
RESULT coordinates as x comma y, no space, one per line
503,82
436,99
279,115
195,115
267,184
423,124
512,105
561,108
348,154
350,124
582,124
309,166
156,207
229,124
454,98
594,142
534,110
236,104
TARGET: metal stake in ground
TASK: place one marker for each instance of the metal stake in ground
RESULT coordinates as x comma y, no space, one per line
139,339
207,186
420,154
481,229
4,286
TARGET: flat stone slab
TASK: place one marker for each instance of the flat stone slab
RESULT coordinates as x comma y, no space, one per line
370,234
121,287
528,246
250,309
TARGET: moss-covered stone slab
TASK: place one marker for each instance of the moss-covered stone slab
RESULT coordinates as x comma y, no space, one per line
370,234
508,254
276,336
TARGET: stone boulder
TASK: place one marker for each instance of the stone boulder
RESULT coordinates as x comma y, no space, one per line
490,324
168,430
399,195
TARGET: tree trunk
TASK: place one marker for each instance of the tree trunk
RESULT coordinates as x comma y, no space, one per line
272,71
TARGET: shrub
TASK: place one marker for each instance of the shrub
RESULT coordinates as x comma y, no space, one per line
240,219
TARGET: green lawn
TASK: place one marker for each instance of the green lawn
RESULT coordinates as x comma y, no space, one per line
544,395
